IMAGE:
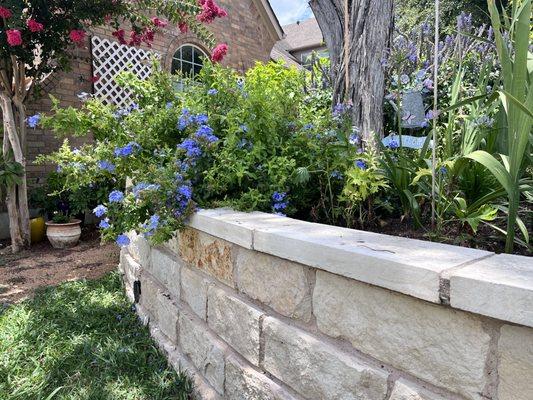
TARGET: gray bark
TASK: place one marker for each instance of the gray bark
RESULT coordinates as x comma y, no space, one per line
370,26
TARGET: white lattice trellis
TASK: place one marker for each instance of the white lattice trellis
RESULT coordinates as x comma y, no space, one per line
111,58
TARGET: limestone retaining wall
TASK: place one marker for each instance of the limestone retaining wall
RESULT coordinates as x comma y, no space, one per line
256,306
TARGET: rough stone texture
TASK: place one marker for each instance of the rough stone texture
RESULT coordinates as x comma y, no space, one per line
167,316
442,346
179,361
499,287
404,390
236,322
208,253
204,350
245,383
131,271
165,268
160,308
280,284
405,265
194,291
515,369
139,249
316,369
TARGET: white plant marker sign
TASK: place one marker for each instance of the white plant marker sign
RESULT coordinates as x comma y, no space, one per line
410,142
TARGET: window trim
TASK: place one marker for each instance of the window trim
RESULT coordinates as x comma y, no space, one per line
181,60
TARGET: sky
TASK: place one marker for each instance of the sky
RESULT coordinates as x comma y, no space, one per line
290,11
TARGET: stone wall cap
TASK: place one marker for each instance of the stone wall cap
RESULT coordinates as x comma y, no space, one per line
499,287
408,266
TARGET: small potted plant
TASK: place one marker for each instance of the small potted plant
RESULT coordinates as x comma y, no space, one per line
63,231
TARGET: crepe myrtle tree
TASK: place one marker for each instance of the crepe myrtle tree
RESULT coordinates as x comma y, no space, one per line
369,32
37,38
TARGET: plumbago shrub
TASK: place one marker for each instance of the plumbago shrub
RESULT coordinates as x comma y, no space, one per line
252,142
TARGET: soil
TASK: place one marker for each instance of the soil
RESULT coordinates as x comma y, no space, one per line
21,274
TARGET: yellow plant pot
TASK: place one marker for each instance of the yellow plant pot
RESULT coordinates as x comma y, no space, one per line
37,229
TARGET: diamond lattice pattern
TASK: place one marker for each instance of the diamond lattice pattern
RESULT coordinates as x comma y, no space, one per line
111,58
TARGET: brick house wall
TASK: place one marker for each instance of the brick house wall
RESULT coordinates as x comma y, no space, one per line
247,30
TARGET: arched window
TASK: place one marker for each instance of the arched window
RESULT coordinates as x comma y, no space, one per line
188,60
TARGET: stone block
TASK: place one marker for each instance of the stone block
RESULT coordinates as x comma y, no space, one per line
139,249
318,370
245,383
404,390
499,287
404,265
166,269
515,350
445,347
159,307
280,284
235,321
204,350
194,291
208,253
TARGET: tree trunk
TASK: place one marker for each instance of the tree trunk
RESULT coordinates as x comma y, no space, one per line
17,197
370,26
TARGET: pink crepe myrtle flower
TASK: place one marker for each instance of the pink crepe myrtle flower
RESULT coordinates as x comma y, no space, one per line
5,13
219,52
34,26
183,27
14,37
210,11
77,35
159,23
120,35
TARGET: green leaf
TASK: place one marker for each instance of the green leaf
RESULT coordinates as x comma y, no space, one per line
497,169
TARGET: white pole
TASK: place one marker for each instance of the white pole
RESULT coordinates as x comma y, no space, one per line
435,111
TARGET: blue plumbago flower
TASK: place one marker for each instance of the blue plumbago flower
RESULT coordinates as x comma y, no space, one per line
336,175
169,105
127,150
123,240
192,148
205,132
308,127
34,120
393,144
106,166
484,121
154,222
59,168
185,191
133,107
281,206
78,165
104,224
420,74
277,196
212,92
443,170
201,119
100,211
426,28
361,164
143,186
354,139
76,151
240,83
183,123
245,144
404,79
244,128
116,196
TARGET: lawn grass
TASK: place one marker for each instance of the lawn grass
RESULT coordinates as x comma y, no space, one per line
82,340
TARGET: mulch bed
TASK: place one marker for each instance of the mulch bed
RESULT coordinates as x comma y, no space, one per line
21,274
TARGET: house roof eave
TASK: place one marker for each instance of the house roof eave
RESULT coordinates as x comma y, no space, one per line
268,13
